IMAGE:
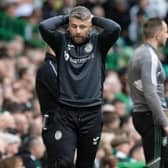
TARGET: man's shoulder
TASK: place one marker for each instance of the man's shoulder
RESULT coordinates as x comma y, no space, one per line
45,66
142,49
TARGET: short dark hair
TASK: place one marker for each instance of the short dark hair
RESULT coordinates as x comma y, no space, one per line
80,12
151,27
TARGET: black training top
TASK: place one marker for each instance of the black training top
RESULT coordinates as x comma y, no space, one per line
80,67
46,84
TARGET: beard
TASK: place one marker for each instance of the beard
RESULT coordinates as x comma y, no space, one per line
78,39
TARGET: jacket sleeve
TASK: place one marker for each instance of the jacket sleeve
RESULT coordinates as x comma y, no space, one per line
149,81
50,34
109,35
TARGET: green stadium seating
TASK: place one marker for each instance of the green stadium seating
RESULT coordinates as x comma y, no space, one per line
10,27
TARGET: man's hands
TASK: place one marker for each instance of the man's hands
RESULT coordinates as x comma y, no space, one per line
49,50
91,17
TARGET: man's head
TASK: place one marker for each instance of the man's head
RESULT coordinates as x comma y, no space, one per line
36,146
80,24
156,29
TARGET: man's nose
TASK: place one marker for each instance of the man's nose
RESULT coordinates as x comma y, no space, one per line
78,30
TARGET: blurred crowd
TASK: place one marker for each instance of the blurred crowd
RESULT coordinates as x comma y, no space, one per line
21,144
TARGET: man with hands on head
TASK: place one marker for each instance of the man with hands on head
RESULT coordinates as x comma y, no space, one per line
81,69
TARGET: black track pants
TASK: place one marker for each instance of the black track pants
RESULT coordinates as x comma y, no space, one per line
155,150
71,129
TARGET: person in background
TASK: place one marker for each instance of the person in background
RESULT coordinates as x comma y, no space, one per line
146,80
46,89
32,152
12,162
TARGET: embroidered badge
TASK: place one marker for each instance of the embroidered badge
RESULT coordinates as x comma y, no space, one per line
58,135
70,46
88,48
96,140
66,55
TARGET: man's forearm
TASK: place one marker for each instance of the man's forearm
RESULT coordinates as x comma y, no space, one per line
48,30
53,23
109,35
106,24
